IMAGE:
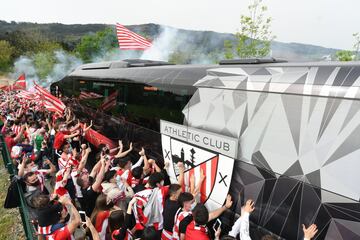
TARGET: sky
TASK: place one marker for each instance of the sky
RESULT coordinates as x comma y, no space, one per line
328,23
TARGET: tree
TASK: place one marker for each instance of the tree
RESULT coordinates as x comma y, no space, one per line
44,63
344,55
229,52
254,38
180,57
30,42
6,52
96,44
356,45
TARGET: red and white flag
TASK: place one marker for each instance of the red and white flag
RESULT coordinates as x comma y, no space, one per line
23,94
49,101
109,102
129,40
20,83
89,95
96,139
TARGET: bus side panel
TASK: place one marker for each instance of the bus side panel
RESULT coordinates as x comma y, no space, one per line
297,154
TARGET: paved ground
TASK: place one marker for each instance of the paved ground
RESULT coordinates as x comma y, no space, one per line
10,221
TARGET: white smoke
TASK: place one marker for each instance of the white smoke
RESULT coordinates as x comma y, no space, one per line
162,46
169,41
116,54
65,63
25,65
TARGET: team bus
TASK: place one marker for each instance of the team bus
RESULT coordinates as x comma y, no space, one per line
286,135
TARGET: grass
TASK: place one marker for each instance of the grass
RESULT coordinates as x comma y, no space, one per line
10,221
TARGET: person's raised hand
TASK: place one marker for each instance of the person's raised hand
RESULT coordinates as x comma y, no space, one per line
249,206
88,150
88,222
309,232
192,179
202,175
181,165
133,201
217,233
142,152
228,202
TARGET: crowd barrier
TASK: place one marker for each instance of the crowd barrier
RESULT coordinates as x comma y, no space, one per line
24,213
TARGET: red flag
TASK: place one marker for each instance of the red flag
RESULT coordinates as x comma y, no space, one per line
23,94
51,102
109,102
96,139
89,95
5,88
129,40
20,83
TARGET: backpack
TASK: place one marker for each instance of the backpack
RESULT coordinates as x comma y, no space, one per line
12,199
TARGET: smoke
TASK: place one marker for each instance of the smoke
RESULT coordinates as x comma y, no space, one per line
169,45
115,54
163,45
25,65
65,63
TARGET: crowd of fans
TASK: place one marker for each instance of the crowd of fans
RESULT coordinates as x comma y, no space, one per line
78,191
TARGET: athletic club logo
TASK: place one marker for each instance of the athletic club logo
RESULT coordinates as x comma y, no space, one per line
210,171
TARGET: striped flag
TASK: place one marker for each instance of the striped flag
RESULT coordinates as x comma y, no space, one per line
89,95
49,101
23,94
129,40
20,83
109,102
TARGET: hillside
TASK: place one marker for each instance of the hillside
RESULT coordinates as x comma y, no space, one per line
204,41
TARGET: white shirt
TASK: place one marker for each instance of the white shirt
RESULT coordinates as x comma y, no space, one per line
241,226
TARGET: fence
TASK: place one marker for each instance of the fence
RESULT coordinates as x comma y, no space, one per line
24,213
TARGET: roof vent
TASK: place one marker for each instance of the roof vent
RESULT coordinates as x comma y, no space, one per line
251,61
145,63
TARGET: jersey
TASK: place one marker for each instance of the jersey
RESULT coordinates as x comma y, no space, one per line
179,216
197,232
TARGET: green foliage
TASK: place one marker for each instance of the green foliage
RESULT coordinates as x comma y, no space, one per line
27,43
44,63
96,44
194,56
344,55
180,57
6,52
229,49
10,221
356,45
254,38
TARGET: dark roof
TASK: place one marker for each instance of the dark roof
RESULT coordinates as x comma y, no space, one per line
162,73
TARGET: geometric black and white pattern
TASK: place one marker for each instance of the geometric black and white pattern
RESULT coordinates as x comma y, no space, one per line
299,142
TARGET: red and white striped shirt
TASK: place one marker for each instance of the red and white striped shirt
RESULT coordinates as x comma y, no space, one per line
179,216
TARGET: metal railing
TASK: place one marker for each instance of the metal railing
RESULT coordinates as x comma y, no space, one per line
24,213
